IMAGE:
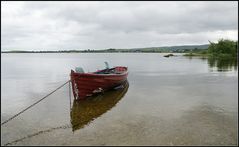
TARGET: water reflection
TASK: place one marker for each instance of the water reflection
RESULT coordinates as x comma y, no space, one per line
83,112
223,64
218,64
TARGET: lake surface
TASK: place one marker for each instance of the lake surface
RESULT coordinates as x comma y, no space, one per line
167,101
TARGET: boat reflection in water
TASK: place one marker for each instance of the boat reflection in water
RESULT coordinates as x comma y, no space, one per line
83,112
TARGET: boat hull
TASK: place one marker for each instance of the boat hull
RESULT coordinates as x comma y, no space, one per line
88,84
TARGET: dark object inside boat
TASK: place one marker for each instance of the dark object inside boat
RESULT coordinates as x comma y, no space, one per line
107,71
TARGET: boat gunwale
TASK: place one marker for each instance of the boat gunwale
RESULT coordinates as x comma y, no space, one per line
95,74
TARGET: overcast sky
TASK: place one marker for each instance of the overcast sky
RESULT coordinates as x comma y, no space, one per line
62,25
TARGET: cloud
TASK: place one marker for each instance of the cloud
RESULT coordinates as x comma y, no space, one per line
97,25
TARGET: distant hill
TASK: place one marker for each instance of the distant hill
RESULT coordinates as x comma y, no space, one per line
173,48
179,49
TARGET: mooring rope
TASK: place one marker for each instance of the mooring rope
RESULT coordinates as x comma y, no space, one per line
34,103
38,133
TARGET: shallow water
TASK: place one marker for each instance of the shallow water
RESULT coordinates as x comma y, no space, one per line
168,101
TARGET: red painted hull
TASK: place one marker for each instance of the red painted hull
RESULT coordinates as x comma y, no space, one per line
87,84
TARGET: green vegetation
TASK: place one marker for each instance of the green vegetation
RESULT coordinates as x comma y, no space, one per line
223,49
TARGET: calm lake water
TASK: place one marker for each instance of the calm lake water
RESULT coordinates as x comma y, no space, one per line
167,101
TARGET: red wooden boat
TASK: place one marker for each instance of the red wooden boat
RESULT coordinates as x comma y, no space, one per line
88,84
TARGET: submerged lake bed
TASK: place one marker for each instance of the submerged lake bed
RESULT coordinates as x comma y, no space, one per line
167,101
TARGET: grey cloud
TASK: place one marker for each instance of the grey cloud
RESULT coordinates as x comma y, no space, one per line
182,16
71,25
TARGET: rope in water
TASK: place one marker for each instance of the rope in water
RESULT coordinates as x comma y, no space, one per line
34,103
38,133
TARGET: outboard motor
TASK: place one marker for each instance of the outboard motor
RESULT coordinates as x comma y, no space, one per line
107,65
79,70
